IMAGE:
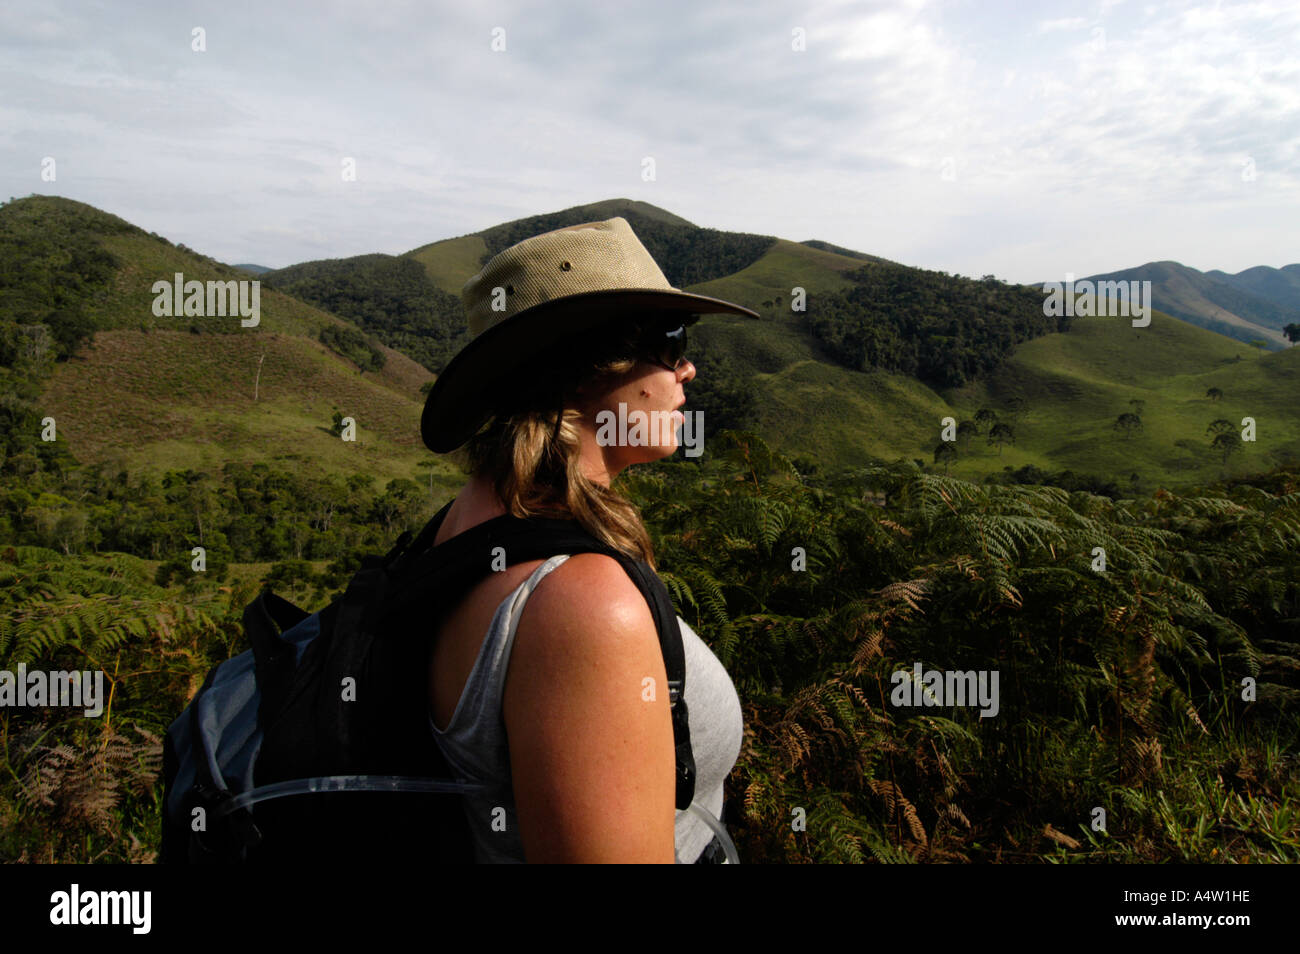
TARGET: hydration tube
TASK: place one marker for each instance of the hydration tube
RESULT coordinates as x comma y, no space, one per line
402,783
728,846
346,783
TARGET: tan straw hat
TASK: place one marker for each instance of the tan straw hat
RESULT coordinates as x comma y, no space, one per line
534,295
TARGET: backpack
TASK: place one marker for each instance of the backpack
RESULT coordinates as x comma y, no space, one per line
315,743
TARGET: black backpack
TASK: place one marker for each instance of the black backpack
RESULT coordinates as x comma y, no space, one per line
335,704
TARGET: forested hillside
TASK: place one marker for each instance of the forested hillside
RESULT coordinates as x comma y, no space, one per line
388,297
52,268
944,329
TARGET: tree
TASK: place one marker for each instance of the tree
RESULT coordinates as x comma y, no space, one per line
946,453
1220,427
965,431
1001,433
721,395
1214,394
398,504
1228,442
985,417
1128,423
1292,332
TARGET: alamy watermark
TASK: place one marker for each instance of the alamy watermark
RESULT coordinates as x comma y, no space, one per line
945,688
639,428
195,299
79,689
75,906
1087,299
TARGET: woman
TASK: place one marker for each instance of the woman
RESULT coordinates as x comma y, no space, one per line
538,676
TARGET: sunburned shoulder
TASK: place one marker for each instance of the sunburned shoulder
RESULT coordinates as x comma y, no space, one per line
588,593
591,742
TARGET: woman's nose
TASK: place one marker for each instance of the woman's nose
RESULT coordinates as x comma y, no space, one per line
689,369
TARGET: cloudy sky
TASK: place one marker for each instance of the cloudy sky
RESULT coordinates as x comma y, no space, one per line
1023,139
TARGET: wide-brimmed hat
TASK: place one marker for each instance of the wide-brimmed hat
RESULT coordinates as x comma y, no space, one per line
536,294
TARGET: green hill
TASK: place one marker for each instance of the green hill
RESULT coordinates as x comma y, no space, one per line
156,392
1076,385
1254,305
389,297
180,390
687,253
182,401
452,262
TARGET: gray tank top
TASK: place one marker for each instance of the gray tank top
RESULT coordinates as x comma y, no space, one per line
475,746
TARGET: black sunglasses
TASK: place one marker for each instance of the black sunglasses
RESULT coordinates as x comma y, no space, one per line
666,347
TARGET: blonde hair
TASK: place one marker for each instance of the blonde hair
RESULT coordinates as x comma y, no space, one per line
530,448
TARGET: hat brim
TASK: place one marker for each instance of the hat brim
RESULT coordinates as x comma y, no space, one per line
457,405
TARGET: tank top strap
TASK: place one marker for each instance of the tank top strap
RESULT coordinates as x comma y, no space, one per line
477,714
502,630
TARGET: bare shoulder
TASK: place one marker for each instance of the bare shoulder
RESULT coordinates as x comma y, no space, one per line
591,743
587,587
588,615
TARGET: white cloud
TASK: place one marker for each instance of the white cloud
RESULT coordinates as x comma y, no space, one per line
1065,23
1046,123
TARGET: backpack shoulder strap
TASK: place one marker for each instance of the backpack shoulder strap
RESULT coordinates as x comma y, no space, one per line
670,643
273,659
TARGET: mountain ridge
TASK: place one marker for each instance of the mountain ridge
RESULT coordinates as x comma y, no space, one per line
186,394
1256,303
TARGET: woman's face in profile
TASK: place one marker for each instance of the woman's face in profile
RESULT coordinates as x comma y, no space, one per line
645,428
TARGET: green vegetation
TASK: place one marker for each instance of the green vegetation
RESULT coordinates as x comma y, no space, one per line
390,298
148,393
721,392
451,262
1121,687
354,346
943,329
1121,681
52,266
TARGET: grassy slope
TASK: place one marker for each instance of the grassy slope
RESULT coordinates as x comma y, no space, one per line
1077,384
451,263
184,400
129,303
808,406
1182,291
